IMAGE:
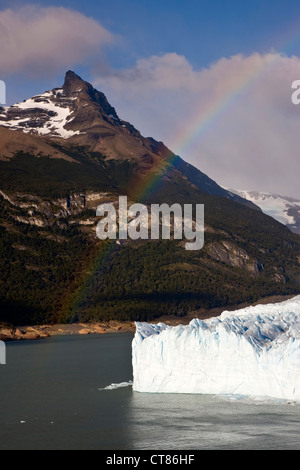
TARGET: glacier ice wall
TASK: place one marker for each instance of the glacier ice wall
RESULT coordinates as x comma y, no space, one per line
251,351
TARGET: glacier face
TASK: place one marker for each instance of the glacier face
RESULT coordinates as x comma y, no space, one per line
252,351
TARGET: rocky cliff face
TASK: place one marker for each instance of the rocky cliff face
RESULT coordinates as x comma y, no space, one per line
232,255
75,209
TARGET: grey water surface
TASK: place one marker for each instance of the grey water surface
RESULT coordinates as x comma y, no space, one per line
53,395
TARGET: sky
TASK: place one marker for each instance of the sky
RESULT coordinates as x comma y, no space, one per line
211,79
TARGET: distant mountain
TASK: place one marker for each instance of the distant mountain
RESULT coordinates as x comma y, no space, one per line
282,208
66,151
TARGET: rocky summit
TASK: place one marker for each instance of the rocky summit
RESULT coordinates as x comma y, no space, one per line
77,115
61,112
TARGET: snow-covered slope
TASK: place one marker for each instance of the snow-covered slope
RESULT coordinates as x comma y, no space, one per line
44,114
282,208
252,351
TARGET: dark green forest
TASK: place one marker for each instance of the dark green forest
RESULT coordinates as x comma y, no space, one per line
52,274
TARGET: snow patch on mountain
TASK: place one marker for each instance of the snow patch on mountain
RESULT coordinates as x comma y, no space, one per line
282,208
42,114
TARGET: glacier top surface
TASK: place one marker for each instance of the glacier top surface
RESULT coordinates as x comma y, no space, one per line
263,326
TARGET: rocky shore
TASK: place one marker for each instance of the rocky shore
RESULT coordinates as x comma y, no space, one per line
113,326
46,331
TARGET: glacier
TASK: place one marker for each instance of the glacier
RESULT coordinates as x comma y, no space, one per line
254,351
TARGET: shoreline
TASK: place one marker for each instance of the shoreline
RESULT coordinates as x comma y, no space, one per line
36,332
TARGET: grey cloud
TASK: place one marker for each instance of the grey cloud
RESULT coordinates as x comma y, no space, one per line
38,41
234,120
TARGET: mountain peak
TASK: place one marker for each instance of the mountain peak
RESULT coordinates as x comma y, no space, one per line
75,85
72,76
75,109
72,80
82,115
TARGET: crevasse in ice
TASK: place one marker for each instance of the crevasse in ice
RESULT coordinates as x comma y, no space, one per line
251,351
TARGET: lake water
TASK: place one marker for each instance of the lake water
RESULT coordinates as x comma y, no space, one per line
53,396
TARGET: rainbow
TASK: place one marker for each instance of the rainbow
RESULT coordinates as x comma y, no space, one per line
221,100
216,105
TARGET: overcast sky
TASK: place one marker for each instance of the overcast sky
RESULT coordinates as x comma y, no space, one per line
212,80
